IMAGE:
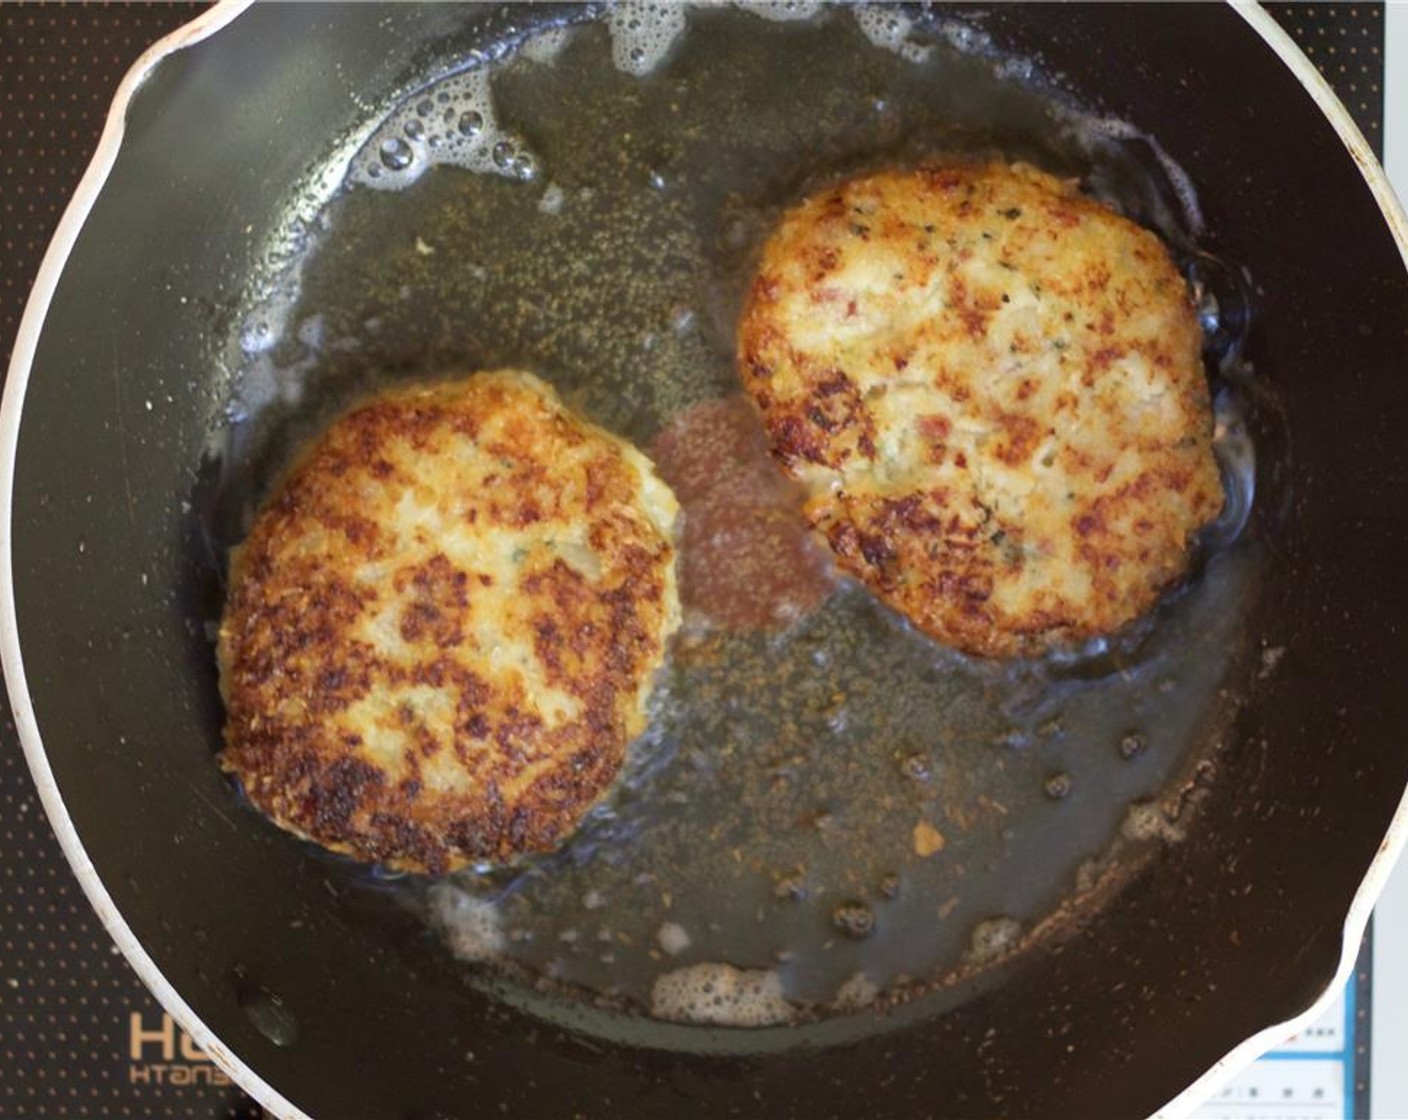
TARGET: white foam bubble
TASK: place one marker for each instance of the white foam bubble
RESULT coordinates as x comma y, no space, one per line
673,938
643,32
263,327
473,927
263,381
857,992
455,123
992,939
460,128
312,332
964,37
1146,820
553,198
1016,68
780,11
545,46
721,995
889,29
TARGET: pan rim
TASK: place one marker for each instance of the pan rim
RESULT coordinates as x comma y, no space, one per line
1395,839
11,411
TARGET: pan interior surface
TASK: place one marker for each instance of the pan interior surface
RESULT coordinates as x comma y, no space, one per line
829,812
1219,779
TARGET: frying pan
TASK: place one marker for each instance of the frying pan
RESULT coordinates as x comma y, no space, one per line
324,995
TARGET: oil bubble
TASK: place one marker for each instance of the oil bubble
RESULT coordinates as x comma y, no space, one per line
396,154
1223,301
791,888
643,32
545,46
890,30
780,11
854,919
402,147
1012,738
1236,463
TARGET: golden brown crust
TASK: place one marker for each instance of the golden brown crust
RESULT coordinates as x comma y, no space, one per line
442,628
992,387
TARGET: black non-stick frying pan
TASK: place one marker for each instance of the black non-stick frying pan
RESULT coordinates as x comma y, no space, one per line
1172,844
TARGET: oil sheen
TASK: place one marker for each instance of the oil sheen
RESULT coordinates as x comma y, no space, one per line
829,812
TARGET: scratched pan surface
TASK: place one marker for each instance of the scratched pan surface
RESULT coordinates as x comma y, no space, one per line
1143,854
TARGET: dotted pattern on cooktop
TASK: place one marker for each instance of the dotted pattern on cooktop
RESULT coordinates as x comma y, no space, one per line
72,1012
67,998
1346,43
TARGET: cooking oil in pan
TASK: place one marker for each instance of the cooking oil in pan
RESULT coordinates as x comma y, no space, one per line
828,811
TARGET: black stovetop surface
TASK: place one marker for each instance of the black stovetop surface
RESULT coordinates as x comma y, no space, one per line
79,1034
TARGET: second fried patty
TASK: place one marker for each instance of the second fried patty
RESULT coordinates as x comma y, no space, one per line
443,627
992,387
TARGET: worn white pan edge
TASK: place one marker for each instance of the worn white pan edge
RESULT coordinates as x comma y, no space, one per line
1242,1055
55,258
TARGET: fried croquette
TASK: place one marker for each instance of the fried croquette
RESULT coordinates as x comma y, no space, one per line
991,386
442,629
